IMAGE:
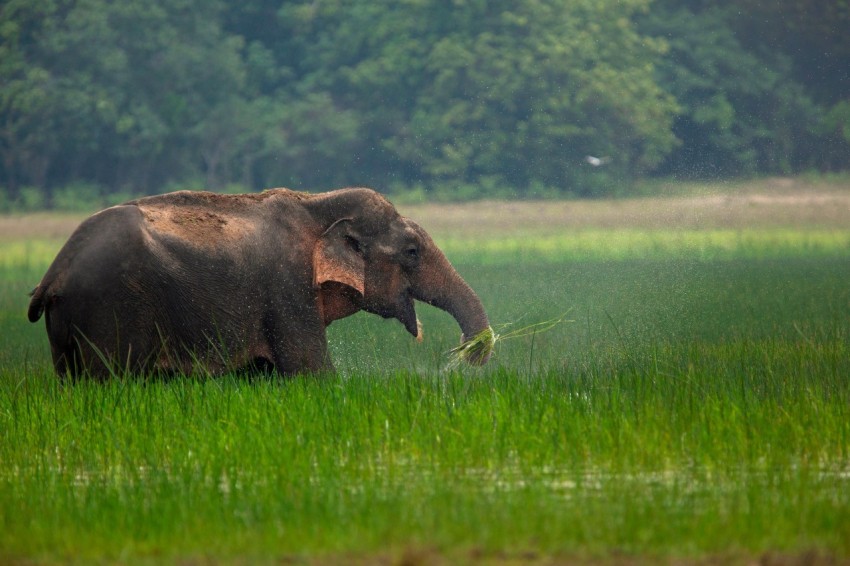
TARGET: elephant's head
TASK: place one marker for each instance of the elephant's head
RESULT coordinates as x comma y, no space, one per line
369,257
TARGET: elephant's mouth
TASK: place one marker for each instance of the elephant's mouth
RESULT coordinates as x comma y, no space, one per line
403,310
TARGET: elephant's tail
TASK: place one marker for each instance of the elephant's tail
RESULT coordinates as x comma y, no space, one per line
36,308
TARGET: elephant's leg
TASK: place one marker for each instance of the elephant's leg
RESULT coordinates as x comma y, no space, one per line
72,345
299,344
303,354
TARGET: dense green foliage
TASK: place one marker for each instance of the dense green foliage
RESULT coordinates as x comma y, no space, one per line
694,407
100,99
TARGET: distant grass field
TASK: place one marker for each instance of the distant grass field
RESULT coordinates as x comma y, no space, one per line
693,407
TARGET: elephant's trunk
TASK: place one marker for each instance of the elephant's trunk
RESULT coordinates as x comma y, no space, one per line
440,285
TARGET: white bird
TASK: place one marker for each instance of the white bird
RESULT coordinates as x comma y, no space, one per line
597,161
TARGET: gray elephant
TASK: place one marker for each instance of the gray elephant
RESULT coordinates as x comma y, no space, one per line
196,280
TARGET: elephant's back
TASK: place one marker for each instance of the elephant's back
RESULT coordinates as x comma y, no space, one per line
90,257
103,240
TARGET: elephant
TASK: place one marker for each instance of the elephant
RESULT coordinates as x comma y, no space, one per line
194,280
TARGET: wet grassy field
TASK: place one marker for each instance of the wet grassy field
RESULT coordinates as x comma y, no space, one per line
693,405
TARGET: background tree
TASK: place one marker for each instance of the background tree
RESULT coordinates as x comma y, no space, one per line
458,98
753,88
513,94
25,96
112,93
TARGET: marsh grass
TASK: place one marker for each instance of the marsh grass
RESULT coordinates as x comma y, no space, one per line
675,452
694,406
651,244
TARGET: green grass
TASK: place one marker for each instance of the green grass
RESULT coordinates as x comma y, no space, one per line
620,244
695,405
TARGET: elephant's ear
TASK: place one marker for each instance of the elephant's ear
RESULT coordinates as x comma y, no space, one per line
337,257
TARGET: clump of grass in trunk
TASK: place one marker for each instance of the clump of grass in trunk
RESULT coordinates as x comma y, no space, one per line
480,347
476,350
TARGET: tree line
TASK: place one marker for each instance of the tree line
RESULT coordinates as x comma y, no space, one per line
452,98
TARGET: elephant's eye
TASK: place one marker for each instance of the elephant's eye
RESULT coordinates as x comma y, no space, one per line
355,245
412,253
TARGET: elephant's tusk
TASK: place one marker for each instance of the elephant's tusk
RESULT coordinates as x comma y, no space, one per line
419,336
